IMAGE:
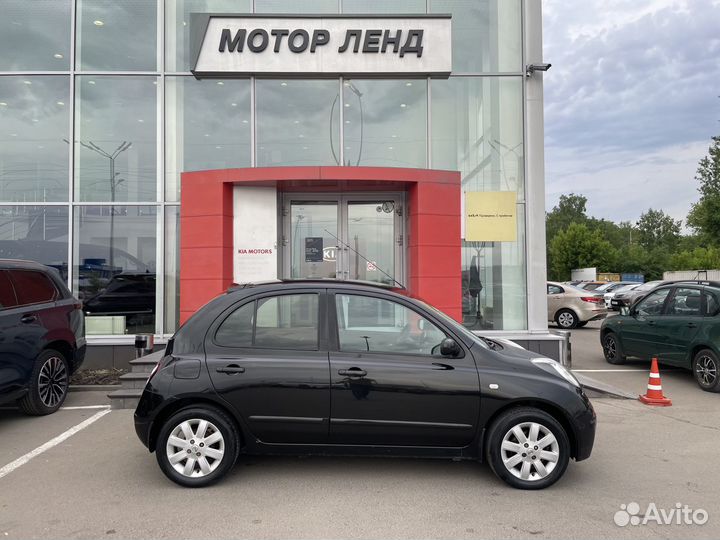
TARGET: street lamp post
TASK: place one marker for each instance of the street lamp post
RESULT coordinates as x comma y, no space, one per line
114,183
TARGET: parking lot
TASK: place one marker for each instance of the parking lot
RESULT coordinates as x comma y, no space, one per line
101,482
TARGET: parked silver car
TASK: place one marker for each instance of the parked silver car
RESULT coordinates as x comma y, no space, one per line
570,307
610,292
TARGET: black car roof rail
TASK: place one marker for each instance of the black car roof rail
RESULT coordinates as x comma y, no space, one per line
240,286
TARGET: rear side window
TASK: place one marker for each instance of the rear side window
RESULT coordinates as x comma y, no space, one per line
33,287
554,289
277,322
685,302
7,294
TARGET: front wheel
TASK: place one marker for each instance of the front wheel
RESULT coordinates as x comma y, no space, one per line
705,369
197,446
527,448
566,319
49,383
612,349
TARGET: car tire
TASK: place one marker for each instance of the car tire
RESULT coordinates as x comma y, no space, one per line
566,319
510,459
197,446
48,386
612,349
706,370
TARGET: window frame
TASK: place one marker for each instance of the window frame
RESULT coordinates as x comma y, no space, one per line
321,343
334,326
704,303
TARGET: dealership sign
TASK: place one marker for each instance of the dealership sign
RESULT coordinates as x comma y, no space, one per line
323,45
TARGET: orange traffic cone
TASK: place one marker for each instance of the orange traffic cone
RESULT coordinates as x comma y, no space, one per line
654,394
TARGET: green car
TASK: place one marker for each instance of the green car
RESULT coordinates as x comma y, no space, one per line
679,323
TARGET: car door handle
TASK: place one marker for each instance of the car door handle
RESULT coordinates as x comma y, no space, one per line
651,323
691,325
352,372
438,365
27,319
231,369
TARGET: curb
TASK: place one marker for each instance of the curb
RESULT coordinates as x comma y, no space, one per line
597,389
94,387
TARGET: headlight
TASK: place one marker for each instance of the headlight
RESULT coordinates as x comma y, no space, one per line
558,367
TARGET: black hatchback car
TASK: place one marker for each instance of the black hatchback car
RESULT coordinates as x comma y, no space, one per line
42,336
332,367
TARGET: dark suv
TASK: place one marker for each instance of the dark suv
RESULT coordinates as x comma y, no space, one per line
42,336
337,367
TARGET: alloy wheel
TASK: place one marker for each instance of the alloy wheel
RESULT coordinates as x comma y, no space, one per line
610,348
195,448
530,451
52,381
706,370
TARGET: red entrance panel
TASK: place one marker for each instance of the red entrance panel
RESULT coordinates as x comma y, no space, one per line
433,243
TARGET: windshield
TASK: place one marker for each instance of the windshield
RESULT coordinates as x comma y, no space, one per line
459,328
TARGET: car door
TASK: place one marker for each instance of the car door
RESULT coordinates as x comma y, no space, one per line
22,331
678,325
268,358
389,384
640,334
554,299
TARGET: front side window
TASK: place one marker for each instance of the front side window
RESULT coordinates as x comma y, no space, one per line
653,304
685,302
368,324
712,306
277,322
33,287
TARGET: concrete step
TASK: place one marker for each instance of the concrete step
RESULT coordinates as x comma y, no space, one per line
145,364
134,380
125,398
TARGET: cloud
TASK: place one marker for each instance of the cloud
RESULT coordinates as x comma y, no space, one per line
632,95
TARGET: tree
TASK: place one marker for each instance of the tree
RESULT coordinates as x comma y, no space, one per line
579,247
704,215
570,209
700,258
656,229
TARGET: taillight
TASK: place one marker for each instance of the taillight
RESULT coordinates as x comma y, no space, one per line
591,299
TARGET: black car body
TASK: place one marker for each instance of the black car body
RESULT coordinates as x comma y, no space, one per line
42,336
378,374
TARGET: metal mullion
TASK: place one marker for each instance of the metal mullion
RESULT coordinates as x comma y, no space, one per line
116,203
96,73
33,203
341,138
34,73
160,224
490,74
71,149
253,124
428,125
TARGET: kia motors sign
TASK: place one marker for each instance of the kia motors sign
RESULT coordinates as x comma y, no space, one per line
322,45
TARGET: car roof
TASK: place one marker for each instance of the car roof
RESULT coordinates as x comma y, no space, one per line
19,264
319,283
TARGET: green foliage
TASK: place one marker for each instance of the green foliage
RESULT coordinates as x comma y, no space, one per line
656,229
579,247
700,258
570,209
704,215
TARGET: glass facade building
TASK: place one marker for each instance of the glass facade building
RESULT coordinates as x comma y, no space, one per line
99,116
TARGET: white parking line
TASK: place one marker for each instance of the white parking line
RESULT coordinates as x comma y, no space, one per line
22,460
614,370
81,407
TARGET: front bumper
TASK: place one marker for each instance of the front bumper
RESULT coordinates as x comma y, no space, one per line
584,425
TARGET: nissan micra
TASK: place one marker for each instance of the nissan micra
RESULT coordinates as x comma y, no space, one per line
333,367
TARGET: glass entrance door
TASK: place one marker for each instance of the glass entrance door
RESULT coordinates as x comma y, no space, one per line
344,237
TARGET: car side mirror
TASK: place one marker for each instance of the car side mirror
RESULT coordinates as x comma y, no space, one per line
449,347
624,311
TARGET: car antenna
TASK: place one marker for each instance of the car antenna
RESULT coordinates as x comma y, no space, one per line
365,259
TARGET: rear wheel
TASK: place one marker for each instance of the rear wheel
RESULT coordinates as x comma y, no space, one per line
48,384
705,369
197,446
566,319
612,349
527,448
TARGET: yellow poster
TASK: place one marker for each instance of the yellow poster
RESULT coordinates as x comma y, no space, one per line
491,216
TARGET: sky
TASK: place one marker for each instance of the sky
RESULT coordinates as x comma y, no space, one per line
631,102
